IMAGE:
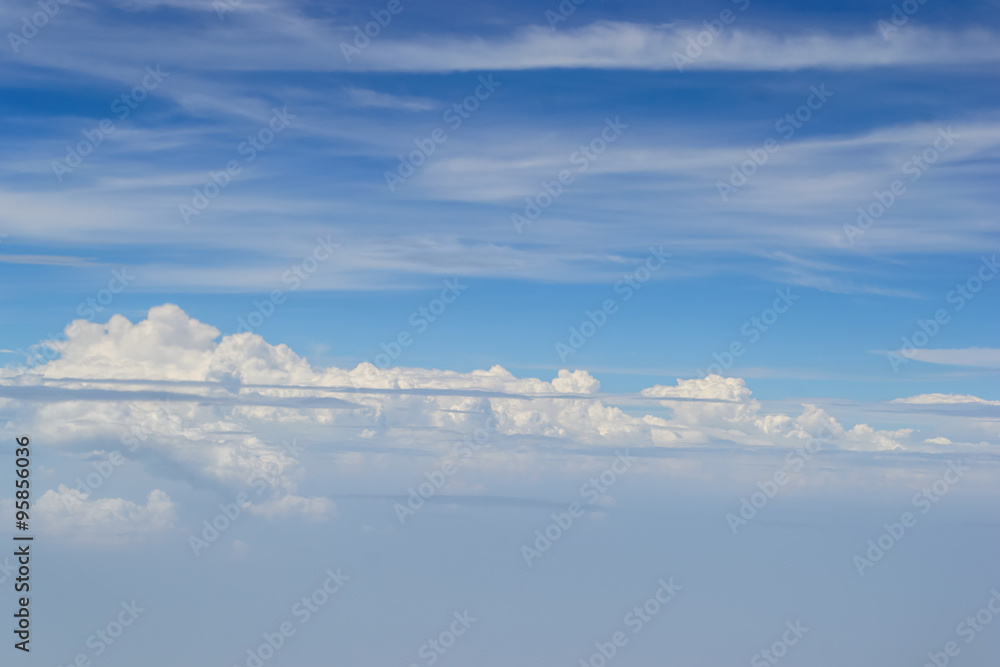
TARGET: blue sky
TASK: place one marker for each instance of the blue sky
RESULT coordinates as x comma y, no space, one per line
657,184
556,219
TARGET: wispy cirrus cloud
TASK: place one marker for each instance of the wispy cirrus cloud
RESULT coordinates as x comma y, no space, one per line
981,357
363,97
613,45
284,39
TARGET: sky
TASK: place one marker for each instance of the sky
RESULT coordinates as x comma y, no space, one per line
276,264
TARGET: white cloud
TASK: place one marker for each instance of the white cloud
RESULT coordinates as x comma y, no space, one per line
739,419
167,345
311,509
234,402
70,513
982,357
363,97
285,39
943,399
738,408
500,168
616,45
219,434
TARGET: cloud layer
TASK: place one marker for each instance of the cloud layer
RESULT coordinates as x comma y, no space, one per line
229,412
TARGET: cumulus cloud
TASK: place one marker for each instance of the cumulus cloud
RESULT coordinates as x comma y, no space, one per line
738,418
167,345
239,383
738,406
71,513
245,402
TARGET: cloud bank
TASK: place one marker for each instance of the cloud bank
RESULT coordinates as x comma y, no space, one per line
246,403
